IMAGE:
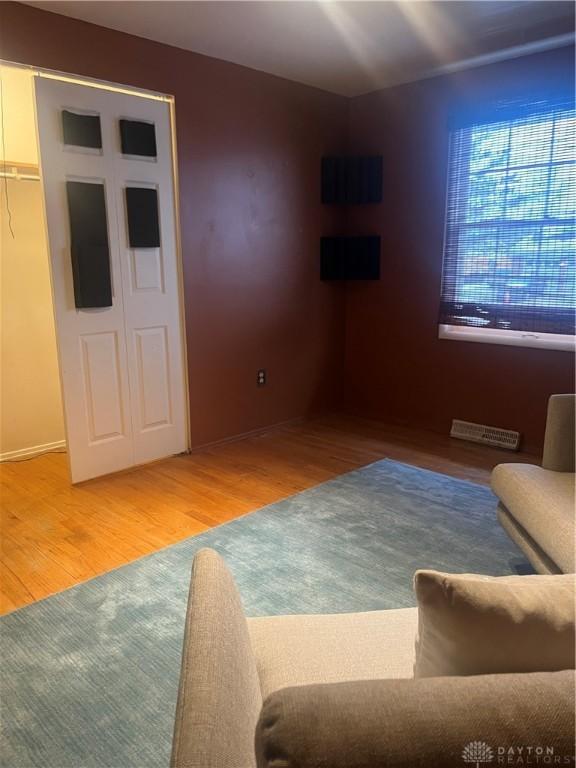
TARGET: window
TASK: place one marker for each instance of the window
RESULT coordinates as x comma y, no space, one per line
509,253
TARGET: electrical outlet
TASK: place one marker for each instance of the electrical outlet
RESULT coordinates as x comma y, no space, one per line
261,377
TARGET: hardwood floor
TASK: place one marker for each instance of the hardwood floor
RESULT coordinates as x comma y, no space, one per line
55,535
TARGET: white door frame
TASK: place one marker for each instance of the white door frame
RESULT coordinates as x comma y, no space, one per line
39,72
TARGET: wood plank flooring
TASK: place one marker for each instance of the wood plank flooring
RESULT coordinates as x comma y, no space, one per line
54,535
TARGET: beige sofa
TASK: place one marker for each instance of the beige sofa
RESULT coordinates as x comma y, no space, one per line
338,691
537,506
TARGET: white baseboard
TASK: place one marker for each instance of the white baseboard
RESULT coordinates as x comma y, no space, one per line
34,450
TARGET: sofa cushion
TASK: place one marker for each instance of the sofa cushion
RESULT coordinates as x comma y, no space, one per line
299,650
533,551
542,501
426,723
559,438
475,625
219,698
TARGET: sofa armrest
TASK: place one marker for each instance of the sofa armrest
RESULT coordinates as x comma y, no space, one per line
219,699
409,723
559,438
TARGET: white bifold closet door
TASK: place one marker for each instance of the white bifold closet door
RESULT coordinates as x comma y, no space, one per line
121,365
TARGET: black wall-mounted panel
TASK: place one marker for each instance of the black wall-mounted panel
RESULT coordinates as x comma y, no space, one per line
142,211
351,180
138,138
81,130
89,244
350,258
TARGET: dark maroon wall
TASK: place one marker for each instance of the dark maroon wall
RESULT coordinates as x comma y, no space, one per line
396,367
249,149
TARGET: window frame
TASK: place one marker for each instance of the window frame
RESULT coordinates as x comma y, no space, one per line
558,341
499,336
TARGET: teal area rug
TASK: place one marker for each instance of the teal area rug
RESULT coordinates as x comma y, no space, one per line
89,676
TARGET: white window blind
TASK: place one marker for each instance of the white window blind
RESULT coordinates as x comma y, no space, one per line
509,253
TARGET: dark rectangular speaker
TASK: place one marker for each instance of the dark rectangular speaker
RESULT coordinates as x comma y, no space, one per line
142,212
350,258
89,245
351,180
138,138
81,130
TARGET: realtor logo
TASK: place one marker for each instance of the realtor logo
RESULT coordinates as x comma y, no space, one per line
477,752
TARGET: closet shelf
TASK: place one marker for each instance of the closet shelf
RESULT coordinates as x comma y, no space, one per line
11,169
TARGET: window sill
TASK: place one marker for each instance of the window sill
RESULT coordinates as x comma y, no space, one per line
509,338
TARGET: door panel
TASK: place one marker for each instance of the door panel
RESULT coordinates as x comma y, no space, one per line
153,377
147,270
151,297
122,367
102,386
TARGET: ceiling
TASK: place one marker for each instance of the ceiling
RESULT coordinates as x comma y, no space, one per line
344,47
